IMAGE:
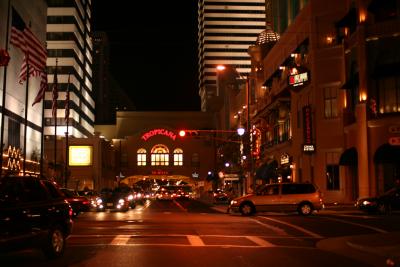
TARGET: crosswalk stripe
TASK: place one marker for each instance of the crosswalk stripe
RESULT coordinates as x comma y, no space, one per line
120,240
195,240
259,241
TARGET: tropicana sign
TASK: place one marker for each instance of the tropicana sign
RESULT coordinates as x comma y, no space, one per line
154,132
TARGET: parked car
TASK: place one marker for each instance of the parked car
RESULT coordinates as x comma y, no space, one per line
112,200
33,214
220,196
77,202
383,204
301,197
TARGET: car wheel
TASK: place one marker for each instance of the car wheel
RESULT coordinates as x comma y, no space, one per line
247,209
305,209
55,243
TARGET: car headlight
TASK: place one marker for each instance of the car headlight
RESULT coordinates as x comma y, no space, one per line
130,197
233,202
121,201
367,202
99,201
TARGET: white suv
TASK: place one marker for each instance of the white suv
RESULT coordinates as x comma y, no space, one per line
301,197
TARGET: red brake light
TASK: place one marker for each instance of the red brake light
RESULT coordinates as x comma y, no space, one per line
70,212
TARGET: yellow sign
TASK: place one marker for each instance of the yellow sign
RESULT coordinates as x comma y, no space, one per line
80,155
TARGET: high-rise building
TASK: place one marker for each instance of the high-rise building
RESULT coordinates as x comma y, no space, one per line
69,46
107,92
226,30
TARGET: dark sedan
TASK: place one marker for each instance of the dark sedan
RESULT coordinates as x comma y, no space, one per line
77,202
112,200
383,204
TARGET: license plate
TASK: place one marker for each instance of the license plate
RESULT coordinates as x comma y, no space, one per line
109,204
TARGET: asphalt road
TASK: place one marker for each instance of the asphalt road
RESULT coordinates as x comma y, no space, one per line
190,233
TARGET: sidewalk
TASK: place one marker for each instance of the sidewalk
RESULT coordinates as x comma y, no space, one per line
372,249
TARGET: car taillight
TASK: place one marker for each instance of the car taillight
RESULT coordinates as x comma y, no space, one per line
85,202
70,212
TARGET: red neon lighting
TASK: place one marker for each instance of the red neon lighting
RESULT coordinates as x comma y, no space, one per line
154,132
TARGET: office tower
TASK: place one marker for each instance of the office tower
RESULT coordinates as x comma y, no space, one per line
69,46
226,30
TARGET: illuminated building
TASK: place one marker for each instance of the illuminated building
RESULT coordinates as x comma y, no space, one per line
69,41
20,142
226,29
326,97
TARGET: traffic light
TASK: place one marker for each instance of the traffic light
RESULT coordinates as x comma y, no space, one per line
188,133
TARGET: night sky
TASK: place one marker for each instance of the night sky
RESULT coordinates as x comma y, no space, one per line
153,53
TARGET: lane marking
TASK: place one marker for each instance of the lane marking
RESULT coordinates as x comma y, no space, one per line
179,205
188,245
301,229
183,235
120,240
259,241
195,240
358,224
273,228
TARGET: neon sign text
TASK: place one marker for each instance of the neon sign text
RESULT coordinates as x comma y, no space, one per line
154,132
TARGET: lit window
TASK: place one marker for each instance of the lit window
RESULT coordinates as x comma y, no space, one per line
178,157
330,102
159,156
141,157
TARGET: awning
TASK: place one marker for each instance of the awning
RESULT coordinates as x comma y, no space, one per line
349,19
352,82
387,154
349,157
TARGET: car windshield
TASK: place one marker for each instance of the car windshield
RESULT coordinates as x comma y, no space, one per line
69,193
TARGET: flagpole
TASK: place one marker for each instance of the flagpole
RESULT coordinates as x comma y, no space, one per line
66,134
3,106
26,111
55,81
42,141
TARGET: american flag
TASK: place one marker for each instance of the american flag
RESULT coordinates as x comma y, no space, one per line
55,94
67,101
35,54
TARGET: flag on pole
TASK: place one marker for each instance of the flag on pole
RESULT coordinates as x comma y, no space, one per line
42,89
67,100
35,54
55,94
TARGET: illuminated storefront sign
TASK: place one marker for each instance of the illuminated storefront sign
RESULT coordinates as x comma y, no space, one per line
159,172
298,79
154,132
308,145
285,159
14,159
80,155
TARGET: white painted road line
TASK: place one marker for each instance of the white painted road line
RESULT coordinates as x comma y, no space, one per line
277,230
120,240
259,241
180,206
195,240
301,229
358,224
